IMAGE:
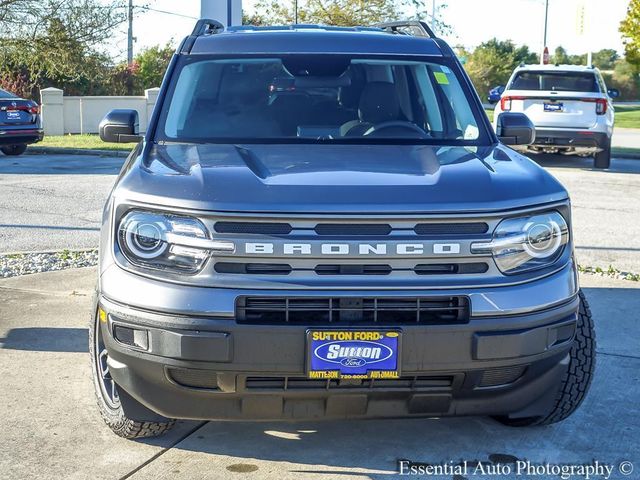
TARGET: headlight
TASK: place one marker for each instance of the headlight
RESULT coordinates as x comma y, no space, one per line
167,242
527,243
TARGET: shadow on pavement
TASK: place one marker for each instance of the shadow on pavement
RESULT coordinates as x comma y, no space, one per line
61,165
618,165
44,339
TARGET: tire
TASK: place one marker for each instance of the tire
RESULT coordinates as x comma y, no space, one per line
109,403
577,379
602,159
13,149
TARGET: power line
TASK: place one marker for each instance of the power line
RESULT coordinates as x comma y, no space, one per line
166,12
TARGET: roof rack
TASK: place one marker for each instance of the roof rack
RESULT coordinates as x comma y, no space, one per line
417,28
299,26
207,26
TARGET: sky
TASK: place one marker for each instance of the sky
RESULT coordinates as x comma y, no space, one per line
472,22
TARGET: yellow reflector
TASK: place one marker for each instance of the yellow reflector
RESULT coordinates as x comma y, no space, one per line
103,315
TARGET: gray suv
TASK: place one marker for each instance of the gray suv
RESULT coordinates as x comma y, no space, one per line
320,222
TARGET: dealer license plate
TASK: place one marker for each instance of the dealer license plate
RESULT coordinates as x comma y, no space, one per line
353,353
553,107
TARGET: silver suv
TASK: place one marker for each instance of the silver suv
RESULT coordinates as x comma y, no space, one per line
570,107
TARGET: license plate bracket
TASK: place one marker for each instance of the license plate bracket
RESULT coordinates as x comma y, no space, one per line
353,354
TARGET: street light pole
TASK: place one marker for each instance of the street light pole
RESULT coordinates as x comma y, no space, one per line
544,58
130,35
295,12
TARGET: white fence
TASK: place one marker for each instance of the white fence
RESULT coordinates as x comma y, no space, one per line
62,114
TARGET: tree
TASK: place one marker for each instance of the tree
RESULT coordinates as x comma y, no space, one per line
54,43
152,64
560,56
630,30
605,59
492,63
341,12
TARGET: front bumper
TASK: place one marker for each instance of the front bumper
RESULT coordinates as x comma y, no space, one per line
204,366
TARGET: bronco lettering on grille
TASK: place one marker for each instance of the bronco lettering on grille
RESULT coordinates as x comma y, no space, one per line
351,249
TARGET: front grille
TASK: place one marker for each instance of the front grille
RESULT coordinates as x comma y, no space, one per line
408,383
253,228
338,229
467,228
352,310
253,268
462,268
352,269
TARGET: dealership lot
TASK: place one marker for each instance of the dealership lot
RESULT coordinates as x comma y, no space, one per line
53,430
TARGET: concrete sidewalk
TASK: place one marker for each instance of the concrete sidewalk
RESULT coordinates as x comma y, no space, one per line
51,428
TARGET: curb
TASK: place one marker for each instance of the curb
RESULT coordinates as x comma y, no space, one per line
49,252
76,151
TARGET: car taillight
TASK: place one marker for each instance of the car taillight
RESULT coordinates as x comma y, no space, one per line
601,104
34,109
505,102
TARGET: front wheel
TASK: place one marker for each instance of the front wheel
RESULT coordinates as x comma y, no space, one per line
13,149
107,393
577,379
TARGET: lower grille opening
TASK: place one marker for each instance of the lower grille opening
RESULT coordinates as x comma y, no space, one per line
352,310
405,383
192,378
253,268
501,376
451,268
348,269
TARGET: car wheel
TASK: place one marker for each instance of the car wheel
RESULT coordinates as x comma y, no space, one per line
107,390
13,149
577,379
603,159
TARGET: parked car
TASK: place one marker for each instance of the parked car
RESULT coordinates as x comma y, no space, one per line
321,222
495,93
19,123
570,107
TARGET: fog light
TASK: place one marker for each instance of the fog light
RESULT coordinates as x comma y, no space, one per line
131,336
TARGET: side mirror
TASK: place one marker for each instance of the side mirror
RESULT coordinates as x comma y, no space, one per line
613,92
515,129
120,126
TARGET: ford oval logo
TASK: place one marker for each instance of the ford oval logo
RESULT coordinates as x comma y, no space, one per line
353,353
353,362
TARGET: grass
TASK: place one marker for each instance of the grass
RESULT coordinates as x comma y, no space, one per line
628,116
83,142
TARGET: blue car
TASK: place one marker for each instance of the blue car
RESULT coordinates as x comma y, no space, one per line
495,93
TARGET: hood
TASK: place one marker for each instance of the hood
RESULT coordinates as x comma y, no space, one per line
323,179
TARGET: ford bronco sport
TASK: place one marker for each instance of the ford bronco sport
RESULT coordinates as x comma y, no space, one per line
321,222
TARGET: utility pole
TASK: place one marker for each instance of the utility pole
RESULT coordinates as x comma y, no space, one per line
130,35
433,14
295,12
545,51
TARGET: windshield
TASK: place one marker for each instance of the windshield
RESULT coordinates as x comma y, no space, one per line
327,98
555,81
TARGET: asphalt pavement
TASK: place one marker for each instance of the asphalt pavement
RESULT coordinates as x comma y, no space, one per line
50,426
53,202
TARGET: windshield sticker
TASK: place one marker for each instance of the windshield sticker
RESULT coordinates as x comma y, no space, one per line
441,78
